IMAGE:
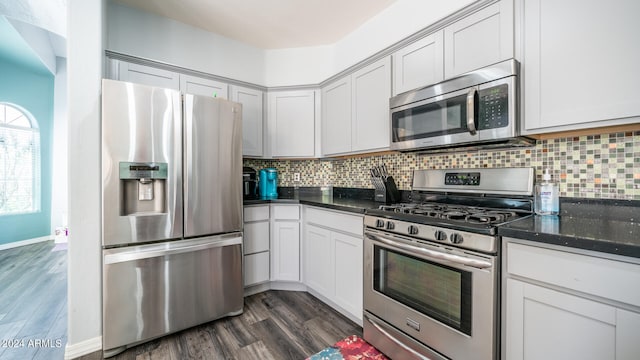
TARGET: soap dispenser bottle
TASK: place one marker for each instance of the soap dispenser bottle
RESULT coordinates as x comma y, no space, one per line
547,201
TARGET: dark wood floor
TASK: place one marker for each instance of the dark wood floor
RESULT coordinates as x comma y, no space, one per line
33,302
274,325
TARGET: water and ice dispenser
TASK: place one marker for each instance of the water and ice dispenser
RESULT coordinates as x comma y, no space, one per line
143,188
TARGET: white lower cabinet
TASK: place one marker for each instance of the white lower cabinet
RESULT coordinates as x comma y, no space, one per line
256,268
546,321
285,243
256,244
333,258
347,264
317,260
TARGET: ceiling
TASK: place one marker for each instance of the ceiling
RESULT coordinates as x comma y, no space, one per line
272,24
14,49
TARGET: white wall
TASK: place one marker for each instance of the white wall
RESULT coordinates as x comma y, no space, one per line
85,69
47,14
59,192
313,65
134,32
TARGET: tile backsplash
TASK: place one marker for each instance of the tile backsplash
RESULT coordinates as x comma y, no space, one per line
605,166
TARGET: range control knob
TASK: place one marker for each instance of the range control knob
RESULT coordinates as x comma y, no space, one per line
380,223
456,238
440,235
390,225
412,230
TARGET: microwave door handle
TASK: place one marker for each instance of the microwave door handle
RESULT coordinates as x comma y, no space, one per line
472,107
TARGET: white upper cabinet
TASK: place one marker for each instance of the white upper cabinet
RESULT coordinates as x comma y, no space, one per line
291,123
336,117
579,63
419,64
371,90
477,40
204,87
147,75
480,39
252,119
355,111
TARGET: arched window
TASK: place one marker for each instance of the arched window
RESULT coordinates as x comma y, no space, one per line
19,161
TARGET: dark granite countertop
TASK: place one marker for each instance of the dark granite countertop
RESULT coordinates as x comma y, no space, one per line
343,199
609,226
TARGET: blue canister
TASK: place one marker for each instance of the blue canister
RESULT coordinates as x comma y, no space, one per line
268,187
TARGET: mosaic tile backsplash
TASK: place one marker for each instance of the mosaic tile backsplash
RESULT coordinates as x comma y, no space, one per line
605,166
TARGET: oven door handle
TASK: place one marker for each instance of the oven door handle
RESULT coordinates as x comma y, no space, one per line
394,340
480,264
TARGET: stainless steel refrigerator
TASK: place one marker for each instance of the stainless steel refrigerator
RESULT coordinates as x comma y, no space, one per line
171,212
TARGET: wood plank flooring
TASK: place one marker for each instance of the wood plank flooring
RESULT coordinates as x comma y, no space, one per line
33,302
275,325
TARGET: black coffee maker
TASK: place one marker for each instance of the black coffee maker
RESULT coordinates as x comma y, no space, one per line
249,183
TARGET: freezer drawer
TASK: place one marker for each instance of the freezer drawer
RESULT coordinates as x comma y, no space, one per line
157,289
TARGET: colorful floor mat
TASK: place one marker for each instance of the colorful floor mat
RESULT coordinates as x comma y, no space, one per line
350,348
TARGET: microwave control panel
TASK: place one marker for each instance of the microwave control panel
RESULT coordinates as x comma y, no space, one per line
493,107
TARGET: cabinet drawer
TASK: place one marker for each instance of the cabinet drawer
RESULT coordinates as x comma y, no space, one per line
256,213
256,237
339,221
610,279
256,268
286,212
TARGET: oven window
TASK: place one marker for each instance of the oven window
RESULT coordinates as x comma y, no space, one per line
438,291
438,118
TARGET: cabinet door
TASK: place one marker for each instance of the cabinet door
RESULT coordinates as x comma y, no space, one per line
292,123
336,117
581,72
204,87
371,89
628,326
347,254
419,64
318,262
256,268
546,324
252,119
148,75
256,237
286,251
480,39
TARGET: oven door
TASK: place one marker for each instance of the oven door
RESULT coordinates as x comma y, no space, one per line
444,298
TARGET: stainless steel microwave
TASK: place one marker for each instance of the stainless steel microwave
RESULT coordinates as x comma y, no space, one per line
479,108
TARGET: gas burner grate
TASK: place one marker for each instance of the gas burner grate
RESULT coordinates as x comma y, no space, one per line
460,213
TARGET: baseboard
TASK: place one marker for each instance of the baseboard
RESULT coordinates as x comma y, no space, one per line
83,348
16,244
288,286
254,289
336,307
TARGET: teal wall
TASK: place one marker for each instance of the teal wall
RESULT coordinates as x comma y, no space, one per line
31,89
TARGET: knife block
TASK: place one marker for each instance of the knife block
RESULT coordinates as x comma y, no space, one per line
388,193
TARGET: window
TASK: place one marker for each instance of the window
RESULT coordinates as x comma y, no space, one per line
19,161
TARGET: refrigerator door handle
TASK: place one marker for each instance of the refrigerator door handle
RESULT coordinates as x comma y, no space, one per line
158,250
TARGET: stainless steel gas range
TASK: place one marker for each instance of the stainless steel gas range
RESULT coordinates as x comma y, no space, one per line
432,264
